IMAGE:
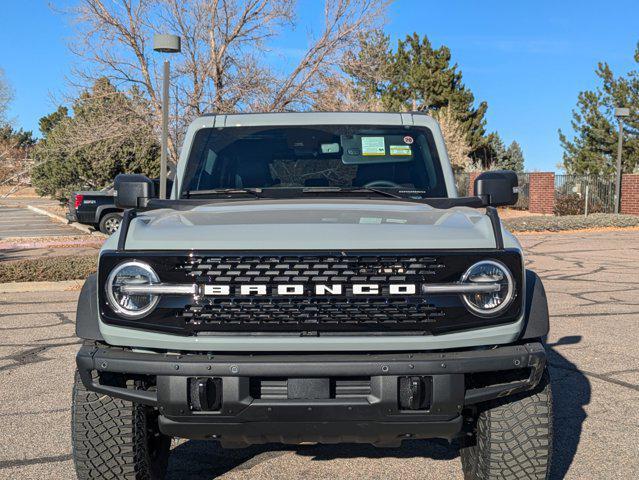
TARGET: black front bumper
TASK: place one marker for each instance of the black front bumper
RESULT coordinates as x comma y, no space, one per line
456,380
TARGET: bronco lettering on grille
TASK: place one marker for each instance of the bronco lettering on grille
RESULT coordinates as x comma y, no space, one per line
299,289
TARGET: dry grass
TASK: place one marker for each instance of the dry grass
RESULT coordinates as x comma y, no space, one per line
22,192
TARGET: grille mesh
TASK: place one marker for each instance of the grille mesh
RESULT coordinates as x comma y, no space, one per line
310,312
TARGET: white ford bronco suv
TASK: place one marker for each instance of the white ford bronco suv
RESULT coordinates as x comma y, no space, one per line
314,277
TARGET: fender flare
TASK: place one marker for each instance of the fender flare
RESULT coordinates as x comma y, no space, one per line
536,318
104,209
86,319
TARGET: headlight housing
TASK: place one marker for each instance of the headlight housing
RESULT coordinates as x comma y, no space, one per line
131,273
490,303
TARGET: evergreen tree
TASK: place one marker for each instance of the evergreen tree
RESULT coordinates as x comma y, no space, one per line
415,76
48,122
497,153
107,134
514,158
594,146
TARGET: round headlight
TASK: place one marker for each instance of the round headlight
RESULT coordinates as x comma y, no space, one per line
497,281
132,273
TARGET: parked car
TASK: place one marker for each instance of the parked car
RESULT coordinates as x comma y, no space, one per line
97,208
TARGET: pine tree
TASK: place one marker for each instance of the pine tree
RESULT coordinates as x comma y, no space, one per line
108,133
415,76
496,150
423,78
594,146
514,158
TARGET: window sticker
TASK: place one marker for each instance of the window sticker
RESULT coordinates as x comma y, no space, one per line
330,147
373,146
400,150
408,140
370,220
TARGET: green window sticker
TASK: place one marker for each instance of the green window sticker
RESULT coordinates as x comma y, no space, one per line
373,146
400,150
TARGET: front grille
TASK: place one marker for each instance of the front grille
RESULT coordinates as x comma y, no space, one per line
311,312
282,270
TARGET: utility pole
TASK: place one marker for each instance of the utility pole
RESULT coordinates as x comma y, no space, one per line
620,113
165,44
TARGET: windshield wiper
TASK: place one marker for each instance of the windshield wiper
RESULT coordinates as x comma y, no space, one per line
350,190
256,192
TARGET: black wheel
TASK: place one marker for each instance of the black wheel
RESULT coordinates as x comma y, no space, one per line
110,222
513,438
114,439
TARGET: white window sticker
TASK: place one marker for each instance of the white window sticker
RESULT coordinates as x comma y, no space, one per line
400,150
372,146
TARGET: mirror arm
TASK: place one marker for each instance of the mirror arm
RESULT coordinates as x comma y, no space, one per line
493,215
128,215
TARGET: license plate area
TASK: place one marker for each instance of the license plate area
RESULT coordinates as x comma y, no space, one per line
308,389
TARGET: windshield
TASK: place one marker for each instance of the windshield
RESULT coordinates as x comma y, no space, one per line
296,160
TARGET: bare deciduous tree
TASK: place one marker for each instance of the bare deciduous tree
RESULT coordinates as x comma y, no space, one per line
226,63
6,95
455,138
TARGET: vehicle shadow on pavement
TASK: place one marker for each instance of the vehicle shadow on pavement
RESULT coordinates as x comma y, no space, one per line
571,393
206,460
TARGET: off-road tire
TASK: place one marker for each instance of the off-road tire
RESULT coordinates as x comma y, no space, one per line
115,439
109,221
513,438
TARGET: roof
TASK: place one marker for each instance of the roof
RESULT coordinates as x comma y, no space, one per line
313,118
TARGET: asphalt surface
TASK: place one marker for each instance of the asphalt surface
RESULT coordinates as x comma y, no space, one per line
22,222
593,289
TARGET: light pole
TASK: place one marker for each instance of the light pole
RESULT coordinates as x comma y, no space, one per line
165,44
620,113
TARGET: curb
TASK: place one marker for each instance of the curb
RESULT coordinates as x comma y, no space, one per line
77,226
20,287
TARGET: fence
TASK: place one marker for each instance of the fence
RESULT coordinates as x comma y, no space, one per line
463,179
573,193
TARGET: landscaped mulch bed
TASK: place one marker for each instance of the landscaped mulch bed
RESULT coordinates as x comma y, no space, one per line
551,223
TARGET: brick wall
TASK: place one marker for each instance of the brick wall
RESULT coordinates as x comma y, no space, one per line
630,194
542,192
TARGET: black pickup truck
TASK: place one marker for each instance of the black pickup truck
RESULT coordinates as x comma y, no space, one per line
95,208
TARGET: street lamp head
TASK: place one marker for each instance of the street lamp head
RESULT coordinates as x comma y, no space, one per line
166,43
622,112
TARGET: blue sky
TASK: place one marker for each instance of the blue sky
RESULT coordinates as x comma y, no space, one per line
527,59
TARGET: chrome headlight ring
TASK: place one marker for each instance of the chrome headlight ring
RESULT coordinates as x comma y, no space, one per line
506,290
139,273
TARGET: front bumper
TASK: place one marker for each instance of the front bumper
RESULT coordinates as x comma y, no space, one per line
456,380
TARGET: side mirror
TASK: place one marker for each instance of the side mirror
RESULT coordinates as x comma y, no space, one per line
133,191
497,188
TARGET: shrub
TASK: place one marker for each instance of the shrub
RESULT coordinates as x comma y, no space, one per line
50,269
573,204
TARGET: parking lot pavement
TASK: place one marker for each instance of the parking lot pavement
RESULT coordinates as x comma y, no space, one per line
591,281
22,222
